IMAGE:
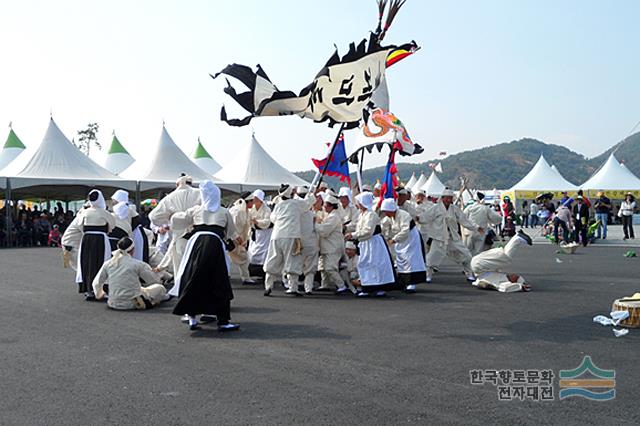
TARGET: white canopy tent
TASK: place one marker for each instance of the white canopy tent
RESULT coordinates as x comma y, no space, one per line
11,149
253,168
203,159
433,186
612,177
411,181
117,158
56,169
164,165
420,181
542,177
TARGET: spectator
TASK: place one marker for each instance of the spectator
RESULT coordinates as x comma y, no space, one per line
581,220
41,230
562,219
54,237
534,208
525,214
627,209
24,229
603,209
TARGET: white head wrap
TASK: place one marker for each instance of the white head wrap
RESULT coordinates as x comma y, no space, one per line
99,203
121,210
447,193
388,205
286,192
184,180
345,192
378,185
331,199
210,194
259,194
365,199
120,196
128,245
350,245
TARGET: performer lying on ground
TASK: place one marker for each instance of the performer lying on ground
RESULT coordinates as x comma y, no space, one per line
123,274
489,267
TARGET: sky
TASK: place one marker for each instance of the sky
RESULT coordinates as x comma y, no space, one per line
489,71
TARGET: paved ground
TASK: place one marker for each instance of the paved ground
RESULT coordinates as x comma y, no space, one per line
314,360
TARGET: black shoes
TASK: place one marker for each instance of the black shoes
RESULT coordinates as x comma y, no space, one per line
525,237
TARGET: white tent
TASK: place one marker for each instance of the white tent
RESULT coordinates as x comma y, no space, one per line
543,178
11,149
612,177
203,159
117,158
433,185
254,168
420,181
411,181
164,165
57,169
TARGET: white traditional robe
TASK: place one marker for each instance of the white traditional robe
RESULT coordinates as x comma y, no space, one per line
442,226
123,274
241,220
410,260
285,248
331,249
180,200
374,263
260,235
483,216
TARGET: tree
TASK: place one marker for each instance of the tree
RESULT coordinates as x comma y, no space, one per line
87,137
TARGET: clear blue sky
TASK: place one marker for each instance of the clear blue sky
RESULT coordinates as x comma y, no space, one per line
566,72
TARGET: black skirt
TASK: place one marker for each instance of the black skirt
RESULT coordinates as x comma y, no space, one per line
91,257
204,286
136,223
115,235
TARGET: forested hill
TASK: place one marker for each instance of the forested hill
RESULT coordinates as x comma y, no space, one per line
503,165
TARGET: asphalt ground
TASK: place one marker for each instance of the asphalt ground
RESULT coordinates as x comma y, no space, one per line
316,360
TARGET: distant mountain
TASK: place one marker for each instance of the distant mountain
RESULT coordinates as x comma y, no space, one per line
503,165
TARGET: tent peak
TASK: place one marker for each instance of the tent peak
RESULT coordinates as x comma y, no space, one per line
116,146
201,151
13,141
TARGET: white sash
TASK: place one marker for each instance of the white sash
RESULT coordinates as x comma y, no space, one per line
175,290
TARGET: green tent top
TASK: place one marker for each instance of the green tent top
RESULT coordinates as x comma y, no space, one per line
200,151
116,147
13,141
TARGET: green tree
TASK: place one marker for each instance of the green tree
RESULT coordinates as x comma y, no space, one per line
88,137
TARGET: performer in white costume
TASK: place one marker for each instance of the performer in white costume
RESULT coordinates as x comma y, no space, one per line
284,255
240,213
88,234
123,274
400,231
489,266
443,219
483,216
329,230
374,264
180,200
261,229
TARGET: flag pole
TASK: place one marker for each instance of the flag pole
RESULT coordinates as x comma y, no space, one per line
326,164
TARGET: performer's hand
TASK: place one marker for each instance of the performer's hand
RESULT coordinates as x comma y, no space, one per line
238,241
157,269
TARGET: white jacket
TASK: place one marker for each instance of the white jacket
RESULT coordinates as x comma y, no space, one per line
330,234
397,228
442,223
366,226
287,217
482,215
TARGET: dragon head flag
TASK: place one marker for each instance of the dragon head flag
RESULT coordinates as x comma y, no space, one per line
339,93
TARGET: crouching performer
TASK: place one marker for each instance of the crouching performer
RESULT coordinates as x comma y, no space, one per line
489,267
123,274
